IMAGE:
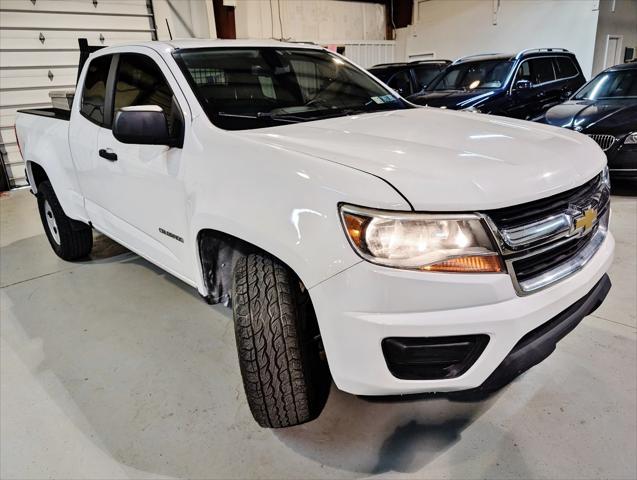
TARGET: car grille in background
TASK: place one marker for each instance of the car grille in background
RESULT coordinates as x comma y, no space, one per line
604,141
539,240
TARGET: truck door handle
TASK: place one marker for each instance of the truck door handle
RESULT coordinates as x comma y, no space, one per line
108,154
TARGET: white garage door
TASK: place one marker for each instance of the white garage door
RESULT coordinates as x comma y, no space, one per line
39,52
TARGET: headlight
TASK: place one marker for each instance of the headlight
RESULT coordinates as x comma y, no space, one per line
606,176
631,139
415,241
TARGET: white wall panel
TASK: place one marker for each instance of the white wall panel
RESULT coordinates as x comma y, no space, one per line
310,20
14,19
78,6
65,39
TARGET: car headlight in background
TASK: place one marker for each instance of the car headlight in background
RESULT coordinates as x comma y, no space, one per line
415,241
631,139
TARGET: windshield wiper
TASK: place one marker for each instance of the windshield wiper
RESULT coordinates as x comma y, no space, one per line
267,115
292,118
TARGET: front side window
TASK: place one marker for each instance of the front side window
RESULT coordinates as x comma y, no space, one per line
401,82
618,85
542,70
486,74
140,81
425,74
94,90
242,88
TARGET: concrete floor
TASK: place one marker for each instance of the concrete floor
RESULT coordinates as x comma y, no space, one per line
112,369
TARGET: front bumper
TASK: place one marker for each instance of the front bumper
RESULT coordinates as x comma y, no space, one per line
365,304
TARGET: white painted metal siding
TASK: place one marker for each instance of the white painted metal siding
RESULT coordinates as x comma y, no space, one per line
40,36
368,53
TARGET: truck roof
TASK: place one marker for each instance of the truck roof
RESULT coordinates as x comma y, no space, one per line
212,43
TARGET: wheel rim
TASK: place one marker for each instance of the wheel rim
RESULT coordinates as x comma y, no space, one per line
52,224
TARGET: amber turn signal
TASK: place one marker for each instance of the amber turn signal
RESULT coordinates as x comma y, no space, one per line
474,264
354,226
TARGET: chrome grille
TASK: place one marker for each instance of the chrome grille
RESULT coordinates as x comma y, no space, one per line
545,241
604,141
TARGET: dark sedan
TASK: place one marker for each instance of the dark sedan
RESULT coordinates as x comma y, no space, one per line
605,109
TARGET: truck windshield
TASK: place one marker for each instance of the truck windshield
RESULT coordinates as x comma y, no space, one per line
620,84
486,74
243,88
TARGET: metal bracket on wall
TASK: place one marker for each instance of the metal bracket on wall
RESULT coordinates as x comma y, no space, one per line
95,3
496,10
42,37
50,75
102,38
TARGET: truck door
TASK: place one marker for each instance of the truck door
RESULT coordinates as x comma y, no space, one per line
142,200
89,114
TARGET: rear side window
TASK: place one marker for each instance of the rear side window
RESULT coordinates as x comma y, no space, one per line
94,91
139,81
565,68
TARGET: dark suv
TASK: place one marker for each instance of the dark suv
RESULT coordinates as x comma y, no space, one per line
522,85
409,78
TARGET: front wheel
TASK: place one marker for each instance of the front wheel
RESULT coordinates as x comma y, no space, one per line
285,375
70,239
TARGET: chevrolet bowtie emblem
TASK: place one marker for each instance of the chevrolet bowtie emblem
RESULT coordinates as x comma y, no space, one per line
587,220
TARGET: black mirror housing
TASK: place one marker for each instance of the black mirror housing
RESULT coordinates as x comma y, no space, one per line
523,85
144,125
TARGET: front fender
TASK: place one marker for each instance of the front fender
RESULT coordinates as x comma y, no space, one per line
283,202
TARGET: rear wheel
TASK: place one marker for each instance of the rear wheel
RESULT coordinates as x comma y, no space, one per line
70,239
285,375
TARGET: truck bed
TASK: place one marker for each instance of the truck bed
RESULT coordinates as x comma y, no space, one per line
50,112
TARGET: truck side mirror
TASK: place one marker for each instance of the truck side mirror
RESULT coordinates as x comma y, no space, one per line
523,85
144,125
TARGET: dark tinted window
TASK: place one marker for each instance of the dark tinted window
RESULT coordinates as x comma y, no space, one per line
241,88
542,70
382,73
564,67
425,74
524,72
620,84
486,74
139,81
94,92
401,82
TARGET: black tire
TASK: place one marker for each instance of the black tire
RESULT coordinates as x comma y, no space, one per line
285,374
73,239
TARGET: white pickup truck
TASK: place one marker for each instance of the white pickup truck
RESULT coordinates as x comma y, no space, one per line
396,249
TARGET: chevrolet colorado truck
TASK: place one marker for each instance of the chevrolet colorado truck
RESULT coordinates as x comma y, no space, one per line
393,248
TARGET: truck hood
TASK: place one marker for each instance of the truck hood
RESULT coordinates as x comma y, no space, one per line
447,160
